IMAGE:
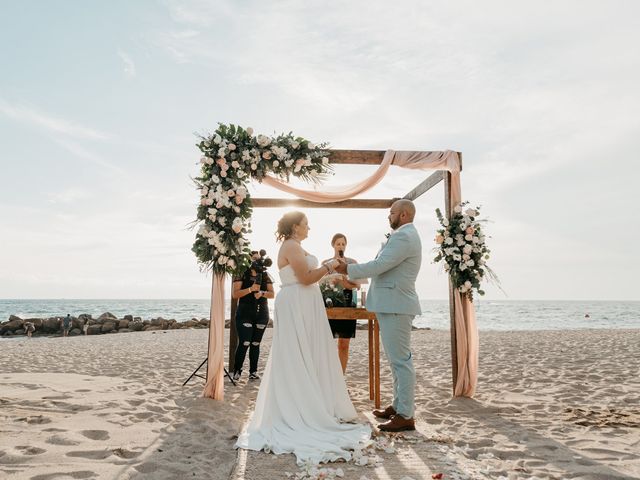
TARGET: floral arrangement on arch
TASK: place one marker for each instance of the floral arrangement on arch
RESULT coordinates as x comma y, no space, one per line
462,248
231,157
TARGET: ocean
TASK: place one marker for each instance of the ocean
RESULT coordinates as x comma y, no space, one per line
500,315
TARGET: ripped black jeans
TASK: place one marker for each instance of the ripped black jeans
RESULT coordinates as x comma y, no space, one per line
250,325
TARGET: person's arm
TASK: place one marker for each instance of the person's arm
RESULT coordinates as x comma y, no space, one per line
239,292
392,255
268,293
296,257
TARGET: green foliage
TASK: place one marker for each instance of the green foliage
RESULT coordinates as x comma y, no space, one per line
231,157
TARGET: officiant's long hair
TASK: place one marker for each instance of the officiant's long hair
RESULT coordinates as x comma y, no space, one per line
286,224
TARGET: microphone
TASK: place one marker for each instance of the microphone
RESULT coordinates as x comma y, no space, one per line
341,253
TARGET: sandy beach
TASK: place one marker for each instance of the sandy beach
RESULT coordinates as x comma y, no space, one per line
549,405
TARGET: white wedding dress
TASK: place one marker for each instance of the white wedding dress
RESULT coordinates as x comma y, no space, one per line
303,397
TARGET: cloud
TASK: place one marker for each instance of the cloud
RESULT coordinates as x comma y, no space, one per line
129,66
81,152
36,118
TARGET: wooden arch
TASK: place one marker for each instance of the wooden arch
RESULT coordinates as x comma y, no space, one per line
362,157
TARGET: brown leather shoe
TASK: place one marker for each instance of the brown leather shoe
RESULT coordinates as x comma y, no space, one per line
398,424
386,413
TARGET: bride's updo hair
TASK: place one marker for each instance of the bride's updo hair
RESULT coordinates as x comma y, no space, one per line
286,224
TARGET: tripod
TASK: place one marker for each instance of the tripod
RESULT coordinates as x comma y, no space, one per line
196,374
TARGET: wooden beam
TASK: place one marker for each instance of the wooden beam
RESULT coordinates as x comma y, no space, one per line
426,185
452,305
299,203
363,157
356,157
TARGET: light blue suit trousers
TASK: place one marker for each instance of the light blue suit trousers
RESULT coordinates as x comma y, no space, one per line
396,340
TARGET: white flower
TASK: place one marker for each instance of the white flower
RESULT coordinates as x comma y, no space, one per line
468,238
467,284
215,179
250,131
465,257
209,161
222,221
211,241
471,212
222,259
445,222
470,263
217,139
311,146
223,173
294,144
475,239
446,267
203,160
230,193
467,249
204,192
460,242
288,163
276,163
263,140
231,263
457,257
325,160
448,240
231,146
462,267
208,201
254,166
457,209
235,164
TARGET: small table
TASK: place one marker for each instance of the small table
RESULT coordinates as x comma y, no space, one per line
345,313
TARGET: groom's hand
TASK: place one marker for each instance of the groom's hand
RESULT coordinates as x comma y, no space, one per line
341,267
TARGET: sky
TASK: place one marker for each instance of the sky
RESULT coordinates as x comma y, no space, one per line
101,102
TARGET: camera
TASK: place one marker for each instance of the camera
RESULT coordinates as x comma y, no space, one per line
260,264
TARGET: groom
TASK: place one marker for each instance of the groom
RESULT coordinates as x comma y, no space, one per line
393,298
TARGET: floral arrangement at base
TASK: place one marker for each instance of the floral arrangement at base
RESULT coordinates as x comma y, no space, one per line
231,157
462,248
334,293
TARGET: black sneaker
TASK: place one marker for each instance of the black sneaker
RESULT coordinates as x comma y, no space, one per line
254,376
236,375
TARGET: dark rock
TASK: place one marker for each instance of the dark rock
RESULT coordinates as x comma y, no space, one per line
84,317
51,325
95,329
107,316
12,325
75,331
14,317
191,324
128,317
123,324
124,330
108,327
137,319
136,326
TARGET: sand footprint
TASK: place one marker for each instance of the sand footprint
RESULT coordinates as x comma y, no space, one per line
96,434
60,440
79,474
90,454
28,450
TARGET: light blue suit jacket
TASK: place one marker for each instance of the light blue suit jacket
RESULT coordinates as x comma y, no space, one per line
393,274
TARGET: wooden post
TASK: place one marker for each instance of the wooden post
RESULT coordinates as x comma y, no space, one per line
452,307
370,334
233,333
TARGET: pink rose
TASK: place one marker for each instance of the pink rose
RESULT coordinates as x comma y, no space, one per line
439,239
470,231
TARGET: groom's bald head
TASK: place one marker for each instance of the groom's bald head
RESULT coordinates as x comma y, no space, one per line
402,212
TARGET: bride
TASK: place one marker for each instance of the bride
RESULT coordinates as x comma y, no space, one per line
303,397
